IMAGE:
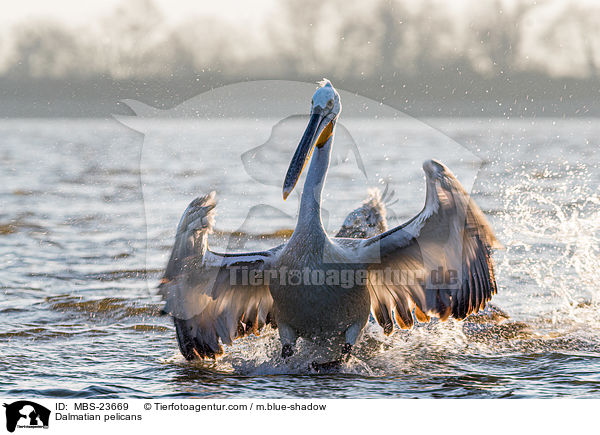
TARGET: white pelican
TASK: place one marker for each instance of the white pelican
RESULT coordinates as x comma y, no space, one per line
436,264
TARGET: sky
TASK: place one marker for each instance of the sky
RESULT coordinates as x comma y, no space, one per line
76,12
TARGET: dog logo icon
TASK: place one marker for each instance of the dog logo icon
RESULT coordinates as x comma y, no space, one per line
26,414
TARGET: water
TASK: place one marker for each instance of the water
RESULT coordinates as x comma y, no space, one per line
89,209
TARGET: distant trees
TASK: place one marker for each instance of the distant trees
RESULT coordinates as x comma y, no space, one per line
131,41
499,32
348,39
572,35
46,49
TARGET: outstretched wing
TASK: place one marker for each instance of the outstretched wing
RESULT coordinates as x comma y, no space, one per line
438,263
212,296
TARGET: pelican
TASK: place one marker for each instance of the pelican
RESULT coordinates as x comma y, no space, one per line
322,288
369,219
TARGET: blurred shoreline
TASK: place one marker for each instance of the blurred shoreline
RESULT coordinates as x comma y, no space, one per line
100,98
501,58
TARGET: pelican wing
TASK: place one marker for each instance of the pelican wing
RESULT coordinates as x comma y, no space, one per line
212,296
438,263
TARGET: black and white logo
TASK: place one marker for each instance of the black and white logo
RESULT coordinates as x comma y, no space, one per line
26,414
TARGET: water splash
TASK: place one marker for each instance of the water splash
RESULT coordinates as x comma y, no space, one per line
551,230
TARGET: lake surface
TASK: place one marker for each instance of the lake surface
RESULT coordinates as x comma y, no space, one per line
90,207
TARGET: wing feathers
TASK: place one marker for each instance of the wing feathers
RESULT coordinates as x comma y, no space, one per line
209,308
450,237
421,316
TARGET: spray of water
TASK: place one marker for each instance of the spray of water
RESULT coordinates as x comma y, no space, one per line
551,229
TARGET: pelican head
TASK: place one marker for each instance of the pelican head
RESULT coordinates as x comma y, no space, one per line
324,111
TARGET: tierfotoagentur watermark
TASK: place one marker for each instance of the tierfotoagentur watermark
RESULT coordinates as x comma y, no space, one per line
342,277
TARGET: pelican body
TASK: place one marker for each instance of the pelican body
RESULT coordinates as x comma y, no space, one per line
323,313
306,295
